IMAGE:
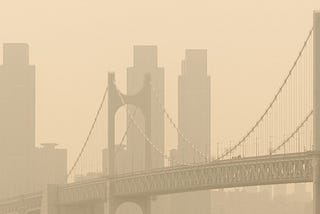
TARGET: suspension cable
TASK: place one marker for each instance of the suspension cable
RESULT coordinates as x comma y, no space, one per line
184,138
143,133
89,133
273,100
125,134
294,133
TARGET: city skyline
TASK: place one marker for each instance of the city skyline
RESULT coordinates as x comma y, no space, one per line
161,107
59,58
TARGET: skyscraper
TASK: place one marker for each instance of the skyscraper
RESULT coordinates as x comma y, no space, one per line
145,61
24,168
194,119
194,115
17,100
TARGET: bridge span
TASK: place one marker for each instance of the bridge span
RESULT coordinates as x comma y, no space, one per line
237,172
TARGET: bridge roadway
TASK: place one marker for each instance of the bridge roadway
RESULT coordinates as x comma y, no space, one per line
26,203
237,172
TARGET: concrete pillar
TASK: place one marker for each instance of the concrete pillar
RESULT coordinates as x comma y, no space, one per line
113,205
49,200
316,108
113,104
51,204
145,205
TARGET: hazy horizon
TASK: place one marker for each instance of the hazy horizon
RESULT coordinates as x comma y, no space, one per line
251,46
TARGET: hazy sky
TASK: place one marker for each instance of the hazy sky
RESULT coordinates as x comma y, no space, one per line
251,45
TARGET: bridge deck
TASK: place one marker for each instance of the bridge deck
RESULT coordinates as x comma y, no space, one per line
275,169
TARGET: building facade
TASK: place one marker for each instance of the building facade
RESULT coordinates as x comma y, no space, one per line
24,167
145,61
194,118
17,100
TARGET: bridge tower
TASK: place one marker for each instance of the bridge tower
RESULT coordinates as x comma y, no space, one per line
115,100
316,108
142,100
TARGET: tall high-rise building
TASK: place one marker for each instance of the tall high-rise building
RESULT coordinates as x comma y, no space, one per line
194,118
17,100
194,109
24,168
145,62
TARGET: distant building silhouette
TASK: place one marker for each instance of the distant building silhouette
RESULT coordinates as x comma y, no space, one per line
146,61
194,118
194,113
17,100
122,163
24,168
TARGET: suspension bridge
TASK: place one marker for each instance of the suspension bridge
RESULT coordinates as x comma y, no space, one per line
282,146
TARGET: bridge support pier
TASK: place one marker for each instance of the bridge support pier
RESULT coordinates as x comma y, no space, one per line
316,185
316,111
50,200
143,202
51,205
